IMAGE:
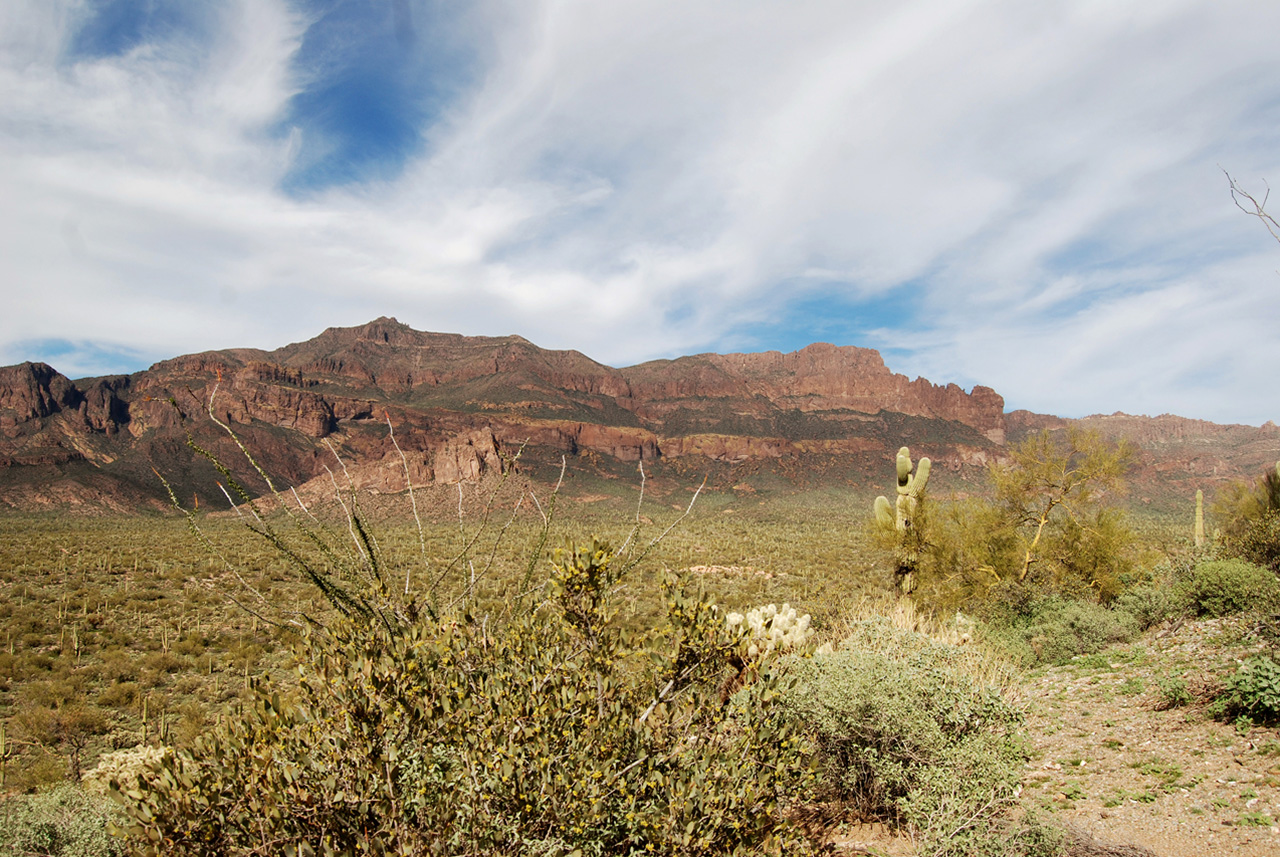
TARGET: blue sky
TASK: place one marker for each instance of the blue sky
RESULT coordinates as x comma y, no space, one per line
1028,196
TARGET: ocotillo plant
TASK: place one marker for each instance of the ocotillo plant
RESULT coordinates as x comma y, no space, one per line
904,515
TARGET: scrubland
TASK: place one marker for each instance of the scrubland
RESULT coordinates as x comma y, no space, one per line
518,671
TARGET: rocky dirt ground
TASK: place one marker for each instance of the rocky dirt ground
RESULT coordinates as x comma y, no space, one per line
1112,757
1114,762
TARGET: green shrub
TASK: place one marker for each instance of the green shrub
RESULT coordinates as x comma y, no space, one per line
552,731
1054,630
1254,690
1250,519
1229,586
1149,603
63,822
906,730
1260,541
1173,691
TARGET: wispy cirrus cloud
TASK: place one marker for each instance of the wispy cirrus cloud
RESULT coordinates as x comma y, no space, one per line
1024,196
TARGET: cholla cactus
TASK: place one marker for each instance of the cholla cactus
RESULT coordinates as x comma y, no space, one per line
771,628
124,767
901,516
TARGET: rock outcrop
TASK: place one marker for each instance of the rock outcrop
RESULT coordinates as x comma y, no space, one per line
465,457
820,377
32,391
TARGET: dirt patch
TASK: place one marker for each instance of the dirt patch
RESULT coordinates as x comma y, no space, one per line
1114,757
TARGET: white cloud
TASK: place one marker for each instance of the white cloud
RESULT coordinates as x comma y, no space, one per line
637,179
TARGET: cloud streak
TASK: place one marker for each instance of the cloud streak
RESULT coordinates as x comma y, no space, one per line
1021,196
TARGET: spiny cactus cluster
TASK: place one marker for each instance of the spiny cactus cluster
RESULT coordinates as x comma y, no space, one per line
902,516
771,628
124,767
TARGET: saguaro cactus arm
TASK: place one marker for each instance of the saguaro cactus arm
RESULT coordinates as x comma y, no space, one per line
884,511
909,484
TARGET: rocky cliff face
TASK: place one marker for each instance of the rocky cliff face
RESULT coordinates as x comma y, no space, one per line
1190,454
820,377
459,404
30,391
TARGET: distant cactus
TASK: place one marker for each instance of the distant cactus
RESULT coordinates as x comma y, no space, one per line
903,517
1199,532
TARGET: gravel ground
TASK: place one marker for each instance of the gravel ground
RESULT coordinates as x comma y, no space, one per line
1110,758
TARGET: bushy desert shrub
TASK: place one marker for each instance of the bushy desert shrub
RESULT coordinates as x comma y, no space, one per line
552,731
1149,602
1259,542
1055,630
1228,586
63,822
1249,518
906,730
1254,690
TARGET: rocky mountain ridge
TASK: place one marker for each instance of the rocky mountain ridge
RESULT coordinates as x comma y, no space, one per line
457,403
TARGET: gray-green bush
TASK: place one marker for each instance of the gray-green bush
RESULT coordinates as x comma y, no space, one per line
907,729
63,822
1055,630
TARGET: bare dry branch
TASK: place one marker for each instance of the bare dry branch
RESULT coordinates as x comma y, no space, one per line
1259,208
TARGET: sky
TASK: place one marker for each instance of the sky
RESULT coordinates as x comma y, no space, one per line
1028,196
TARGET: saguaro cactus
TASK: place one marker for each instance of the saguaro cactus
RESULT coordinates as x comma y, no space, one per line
1199,531
902,516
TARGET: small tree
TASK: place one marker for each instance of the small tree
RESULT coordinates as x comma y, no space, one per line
1048,522
1050,479
1248,518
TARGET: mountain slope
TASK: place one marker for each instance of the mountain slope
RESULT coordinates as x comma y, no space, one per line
824,413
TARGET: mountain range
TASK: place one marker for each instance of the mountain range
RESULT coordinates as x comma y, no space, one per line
459,406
